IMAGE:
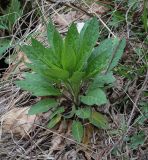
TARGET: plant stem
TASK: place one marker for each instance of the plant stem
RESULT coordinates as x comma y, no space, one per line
71,91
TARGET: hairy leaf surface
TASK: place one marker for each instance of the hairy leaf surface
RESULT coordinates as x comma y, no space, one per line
102,80
88,38
98,120
83,113
119,46
95,96
54,121
42,106
37,85
77,130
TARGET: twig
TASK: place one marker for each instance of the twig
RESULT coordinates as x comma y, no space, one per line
54,132
132,114
79,8
89,14
127,22
136,99
104,24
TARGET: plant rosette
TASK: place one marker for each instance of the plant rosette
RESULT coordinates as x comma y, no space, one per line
73,74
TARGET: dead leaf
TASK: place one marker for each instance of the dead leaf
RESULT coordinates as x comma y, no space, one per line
65,19
17,121
73,155
99,9
119,83
88,134
18,62
56,143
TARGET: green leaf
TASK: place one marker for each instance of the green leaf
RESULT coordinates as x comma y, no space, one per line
29,51
38,51
98,120
55,41
68,59
42,69
54,121
72,38
119,46
95,96
43,62
142,119
76,81
13,12
77,77
97,65
77,130
88,38
38,54
58,73
4,45
83,113
105,47
98,61
57,111
137,139
42,106
38,85
117,19
144,106
70,48
2,26
145,16
102,80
